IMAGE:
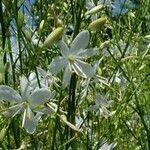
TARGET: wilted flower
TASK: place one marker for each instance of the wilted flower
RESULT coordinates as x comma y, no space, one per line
72,59
26,102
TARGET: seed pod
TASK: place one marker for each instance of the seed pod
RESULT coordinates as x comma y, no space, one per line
97,24
94,10
2,134
20,19
41,25
53,37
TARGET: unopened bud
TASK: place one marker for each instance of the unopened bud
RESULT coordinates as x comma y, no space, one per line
94,10
97,24
53,37
41,25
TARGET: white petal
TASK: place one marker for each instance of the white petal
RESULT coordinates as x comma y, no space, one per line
13,110
107,146
66,76
8,94
46,110
93,108
38,117
85,89
57,64
25,89
86,53
81,41
78,70
32,76
34,85
42,73
64,48
28,121
84,69
39,96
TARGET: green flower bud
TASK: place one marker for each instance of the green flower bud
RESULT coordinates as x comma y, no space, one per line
53,37
41,25
94,10
97,24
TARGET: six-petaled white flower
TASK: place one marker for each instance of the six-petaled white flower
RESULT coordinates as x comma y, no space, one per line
72,59
25,102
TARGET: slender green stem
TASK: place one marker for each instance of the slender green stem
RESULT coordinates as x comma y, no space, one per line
56,122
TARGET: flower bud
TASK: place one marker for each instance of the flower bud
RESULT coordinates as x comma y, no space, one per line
97,24
94,10
41,25
53,37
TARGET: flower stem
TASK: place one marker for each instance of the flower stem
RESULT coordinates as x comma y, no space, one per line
71,110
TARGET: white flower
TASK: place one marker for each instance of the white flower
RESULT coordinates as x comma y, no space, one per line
95,80
26,102
72,59
45,78
101,106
